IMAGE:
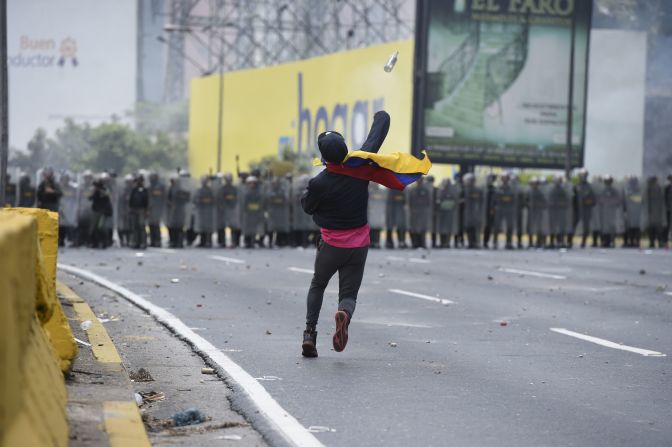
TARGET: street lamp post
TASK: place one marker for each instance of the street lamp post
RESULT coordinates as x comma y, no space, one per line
220,114
4,102
570,102
220,104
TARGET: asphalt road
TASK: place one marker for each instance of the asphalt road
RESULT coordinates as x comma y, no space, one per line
461,353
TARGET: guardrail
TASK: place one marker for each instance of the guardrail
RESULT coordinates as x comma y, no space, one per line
36,344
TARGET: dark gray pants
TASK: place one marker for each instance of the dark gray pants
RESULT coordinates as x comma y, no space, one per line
349,263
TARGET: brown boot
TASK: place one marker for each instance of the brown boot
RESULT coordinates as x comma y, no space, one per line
341,335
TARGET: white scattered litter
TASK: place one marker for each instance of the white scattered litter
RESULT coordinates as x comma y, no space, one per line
138,399
175,280
81,342
268,378
321,429
86,325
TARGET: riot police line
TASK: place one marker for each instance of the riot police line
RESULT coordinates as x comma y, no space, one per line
265,211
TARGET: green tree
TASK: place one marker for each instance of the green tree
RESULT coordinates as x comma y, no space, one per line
36,155
67,148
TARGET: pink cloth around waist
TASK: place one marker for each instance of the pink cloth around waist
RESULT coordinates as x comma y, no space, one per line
350,238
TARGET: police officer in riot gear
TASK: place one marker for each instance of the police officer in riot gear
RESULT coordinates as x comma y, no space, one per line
376,212
84,213
473,211
537,213
253,213
10,192
177,199
395,218
123,220
101,207
204,201
48,192
490,218
505,210
521,205
277,208
227,211
655,211
138,204
157,203
558,212
67,210
610,202
632,207
584,202
26,192
446,211
419,204
459,227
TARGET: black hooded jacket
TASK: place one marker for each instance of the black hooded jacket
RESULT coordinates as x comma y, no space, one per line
339,202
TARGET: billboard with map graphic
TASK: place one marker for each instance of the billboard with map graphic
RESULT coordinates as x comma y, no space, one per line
493,81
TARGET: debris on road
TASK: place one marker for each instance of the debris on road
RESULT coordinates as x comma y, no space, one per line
175,280
190,416
151,396
489,278
393,344
268,332
642,272
503,323
141,375
268,378
231,437
85,325
207,371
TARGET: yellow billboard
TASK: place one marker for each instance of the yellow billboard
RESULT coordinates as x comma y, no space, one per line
268,109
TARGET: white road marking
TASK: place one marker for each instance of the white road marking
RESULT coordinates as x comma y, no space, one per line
607,343
280,420
228,260
300,270
414,260
421,296
531,273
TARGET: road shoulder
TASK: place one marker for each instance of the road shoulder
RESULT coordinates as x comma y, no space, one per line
101,390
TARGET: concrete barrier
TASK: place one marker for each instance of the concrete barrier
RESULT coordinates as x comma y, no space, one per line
36,343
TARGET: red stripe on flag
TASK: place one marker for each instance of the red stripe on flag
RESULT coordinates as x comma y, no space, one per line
376,174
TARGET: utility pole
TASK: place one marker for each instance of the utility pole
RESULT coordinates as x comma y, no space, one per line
570,102
221,108
4,102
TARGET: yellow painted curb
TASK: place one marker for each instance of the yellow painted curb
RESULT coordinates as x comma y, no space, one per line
101,343
123,424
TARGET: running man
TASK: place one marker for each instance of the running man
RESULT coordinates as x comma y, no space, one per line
338,204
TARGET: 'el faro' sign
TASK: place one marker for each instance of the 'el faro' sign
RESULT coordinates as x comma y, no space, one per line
44,53
537,7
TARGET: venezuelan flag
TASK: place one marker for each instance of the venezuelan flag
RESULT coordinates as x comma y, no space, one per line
395,171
